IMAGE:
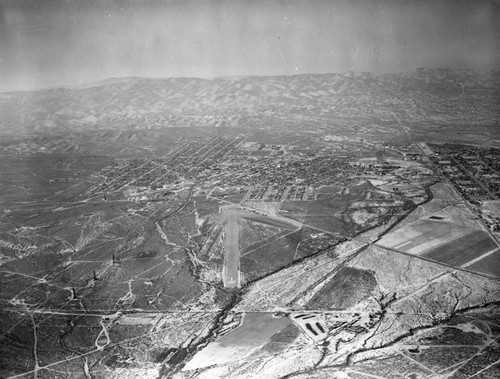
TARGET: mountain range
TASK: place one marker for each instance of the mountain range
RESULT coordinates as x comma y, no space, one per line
440,96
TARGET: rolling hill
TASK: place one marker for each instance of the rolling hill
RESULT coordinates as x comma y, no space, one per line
429,95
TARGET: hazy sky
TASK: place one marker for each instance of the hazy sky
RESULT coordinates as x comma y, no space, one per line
55,42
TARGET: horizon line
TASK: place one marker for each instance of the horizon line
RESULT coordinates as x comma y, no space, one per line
96,83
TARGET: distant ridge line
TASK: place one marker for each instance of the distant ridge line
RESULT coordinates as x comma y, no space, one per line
124,79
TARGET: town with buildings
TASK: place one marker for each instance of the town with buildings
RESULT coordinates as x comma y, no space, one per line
297,226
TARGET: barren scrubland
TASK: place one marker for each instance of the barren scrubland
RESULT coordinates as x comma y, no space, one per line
287,227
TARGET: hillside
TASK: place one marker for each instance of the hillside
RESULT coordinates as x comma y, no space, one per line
308,101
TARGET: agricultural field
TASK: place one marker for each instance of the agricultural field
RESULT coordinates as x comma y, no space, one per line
192,264
445,232
464,249
422,235
489,264
396,290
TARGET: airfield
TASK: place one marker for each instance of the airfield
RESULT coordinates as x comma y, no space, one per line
239,256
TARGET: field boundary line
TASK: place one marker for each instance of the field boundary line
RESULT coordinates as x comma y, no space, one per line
459,268
481,257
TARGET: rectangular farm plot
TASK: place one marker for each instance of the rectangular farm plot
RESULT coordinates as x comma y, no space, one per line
422,236
463,249
489,265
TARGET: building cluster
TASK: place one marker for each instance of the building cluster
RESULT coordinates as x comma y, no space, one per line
474,171
187,162
280,193
259,170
